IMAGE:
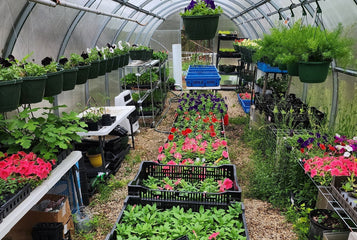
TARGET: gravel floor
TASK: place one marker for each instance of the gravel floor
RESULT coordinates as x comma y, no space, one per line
263,221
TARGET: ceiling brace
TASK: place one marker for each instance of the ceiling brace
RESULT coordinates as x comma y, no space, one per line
86,9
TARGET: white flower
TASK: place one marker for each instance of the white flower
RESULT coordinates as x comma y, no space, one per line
120,46
114,45
349,148
89,50
103,49
338,135
339,147
111,50
98,49
127,43
355,138
347,154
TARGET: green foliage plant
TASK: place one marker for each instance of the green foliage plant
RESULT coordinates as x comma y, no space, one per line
46,135
201,8
149,222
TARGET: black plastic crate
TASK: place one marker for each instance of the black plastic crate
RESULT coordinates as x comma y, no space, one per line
48,231
115,160
14,201
188,173
194,206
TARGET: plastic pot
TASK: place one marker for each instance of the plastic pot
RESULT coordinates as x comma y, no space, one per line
82,74
32,89
10,94
69,78
200,27
54,83
313,72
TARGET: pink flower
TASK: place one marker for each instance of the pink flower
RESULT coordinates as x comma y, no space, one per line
225,154
168,187
171,162
227,183
199,136
167,145
178,155
160,149
161,157
178,181
213,235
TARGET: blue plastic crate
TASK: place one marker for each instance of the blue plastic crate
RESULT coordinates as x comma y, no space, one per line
202,80
245,103
269,69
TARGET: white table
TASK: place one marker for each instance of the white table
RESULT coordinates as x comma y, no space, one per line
10,220
121,112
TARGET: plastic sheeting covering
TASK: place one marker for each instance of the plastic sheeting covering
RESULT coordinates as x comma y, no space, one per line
32,28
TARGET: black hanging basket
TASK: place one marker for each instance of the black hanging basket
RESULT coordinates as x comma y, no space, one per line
200,27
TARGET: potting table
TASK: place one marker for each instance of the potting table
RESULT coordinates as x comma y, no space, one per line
121,113
66,165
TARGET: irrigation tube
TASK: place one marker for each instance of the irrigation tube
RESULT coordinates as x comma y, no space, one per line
86,9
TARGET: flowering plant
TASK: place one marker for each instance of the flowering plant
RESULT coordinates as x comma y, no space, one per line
203,103
245,96
21,168
251,44
324,168
201,7
207,185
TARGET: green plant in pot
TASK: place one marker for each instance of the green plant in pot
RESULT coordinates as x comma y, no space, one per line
200,19
108,53
10,85
70,72
54,81
320,48
83,65
92,118
93,58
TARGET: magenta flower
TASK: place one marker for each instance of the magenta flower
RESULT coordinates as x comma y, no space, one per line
225,154
213,235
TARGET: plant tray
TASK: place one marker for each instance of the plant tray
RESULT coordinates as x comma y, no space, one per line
132,200
245,103
189,174
268,69
203,79
14,201
335,185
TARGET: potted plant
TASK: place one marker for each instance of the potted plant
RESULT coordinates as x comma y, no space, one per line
108,53
140,52
34,82
95,157
321,47
70,71
83,66
92,118
92,57
322,220
200,19
10,85
54,81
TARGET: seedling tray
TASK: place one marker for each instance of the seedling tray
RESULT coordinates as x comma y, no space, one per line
189,174
269,69
245,103
14,201
132,200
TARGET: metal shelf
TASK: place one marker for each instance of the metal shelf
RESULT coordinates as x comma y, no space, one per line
334,204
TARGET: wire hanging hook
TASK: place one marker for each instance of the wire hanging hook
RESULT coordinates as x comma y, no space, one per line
291,10
280,17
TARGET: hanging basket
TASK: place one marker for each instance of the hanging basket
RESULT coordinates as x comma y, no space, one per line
82,74
200,27
109,64
94,69
54,83
121,60
126,59
293,69
10,94
32,89
313,72
115,62
69,78
102,67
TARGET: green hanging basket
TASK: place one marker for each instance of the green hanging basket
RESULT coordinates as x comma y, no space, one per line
115,62
121,61
293,69
69,78
94,69
313,72
200,27
82,74
102,67
126,59
138,54
32,89
109,64
10,92
54,83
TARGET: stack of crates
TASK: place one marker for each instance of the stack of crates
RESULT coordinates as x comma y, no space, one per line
202,76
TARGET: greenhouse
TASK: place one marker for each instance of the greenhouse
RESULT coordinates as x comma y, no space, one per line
178,120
